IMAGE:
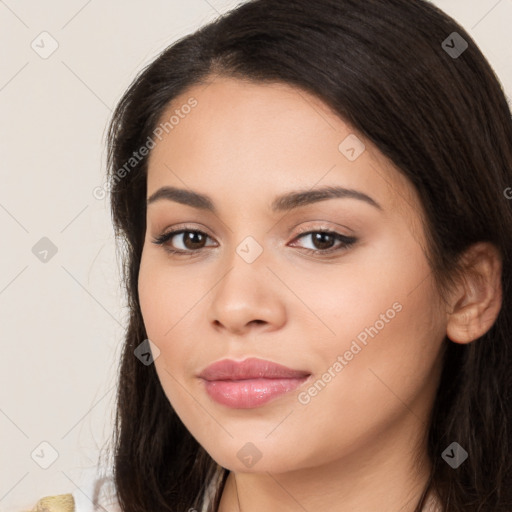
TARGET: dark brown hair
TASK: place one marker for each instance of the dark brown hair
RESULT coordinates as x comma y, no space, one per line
443,120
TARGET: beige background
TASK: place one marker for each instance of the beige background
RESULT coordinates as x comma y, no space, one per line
61,320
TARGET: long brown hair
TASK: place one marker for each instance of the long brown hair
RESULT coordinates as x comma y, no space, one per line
442,118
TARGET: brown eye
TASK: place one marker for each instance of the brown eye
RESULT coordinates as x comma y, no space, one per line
183,240
193,239
326,241
322,240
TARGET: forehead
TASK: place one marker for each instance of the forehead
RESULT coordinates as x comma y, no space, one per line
262,138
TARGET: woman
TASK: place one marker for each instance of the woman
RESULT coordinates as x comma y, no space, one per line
311,202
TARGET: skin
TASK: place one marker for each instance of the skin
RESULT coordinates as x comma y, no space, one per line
358,444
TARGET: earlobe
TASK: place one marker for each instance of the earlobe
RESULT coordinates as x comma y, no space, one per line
477,300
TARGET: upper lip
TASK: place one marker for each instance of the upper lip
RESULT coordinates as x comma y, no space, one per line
252,368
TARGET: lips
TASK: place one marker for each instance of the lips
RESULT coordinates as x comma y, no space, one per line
252,368
249,383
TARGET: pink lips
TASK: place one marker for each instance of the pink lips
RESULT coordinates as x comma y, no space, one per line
249,383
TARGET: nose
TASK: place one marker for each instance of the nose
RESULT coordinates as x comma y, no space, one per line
247,296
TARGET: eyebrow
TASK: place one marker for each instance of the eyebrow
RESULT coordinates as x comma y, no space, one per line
285,202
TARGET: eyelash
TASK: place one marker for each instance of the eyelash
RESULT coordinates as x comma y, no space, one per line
346,241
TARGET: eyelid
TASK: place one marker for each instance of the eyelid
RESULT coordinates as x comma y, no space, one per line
186,227
322,225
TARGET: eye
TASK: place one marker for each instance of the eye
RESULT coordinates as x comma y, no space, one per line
190,241
187,240
324,241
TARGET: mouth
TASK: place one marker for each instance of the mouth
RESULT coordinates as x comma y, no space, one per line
250,383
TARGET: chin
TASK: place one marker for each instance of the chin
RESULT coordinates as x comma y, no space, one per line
255,457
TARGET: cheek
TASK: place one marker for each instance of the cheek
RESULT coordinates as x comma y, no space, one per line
375,386
384,358
165,296
152,298
163,302
169,306
363,295
382,311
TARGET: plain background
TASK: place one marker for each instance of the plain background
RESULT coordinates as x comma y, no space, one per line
62,319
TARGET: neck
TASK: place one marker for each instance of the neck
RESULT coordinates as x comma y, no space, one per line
383,476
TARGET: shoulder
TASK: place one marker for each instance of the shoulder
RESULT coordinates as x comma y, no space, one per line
97,494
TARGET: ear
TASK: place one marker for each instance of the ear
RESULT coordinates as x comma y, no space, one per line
476,302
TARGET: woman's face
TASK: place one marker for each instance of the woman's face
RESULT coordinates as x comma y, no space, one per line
360,317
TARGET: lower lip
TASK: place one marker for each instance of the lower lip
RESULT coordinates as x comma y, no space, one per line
250,393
